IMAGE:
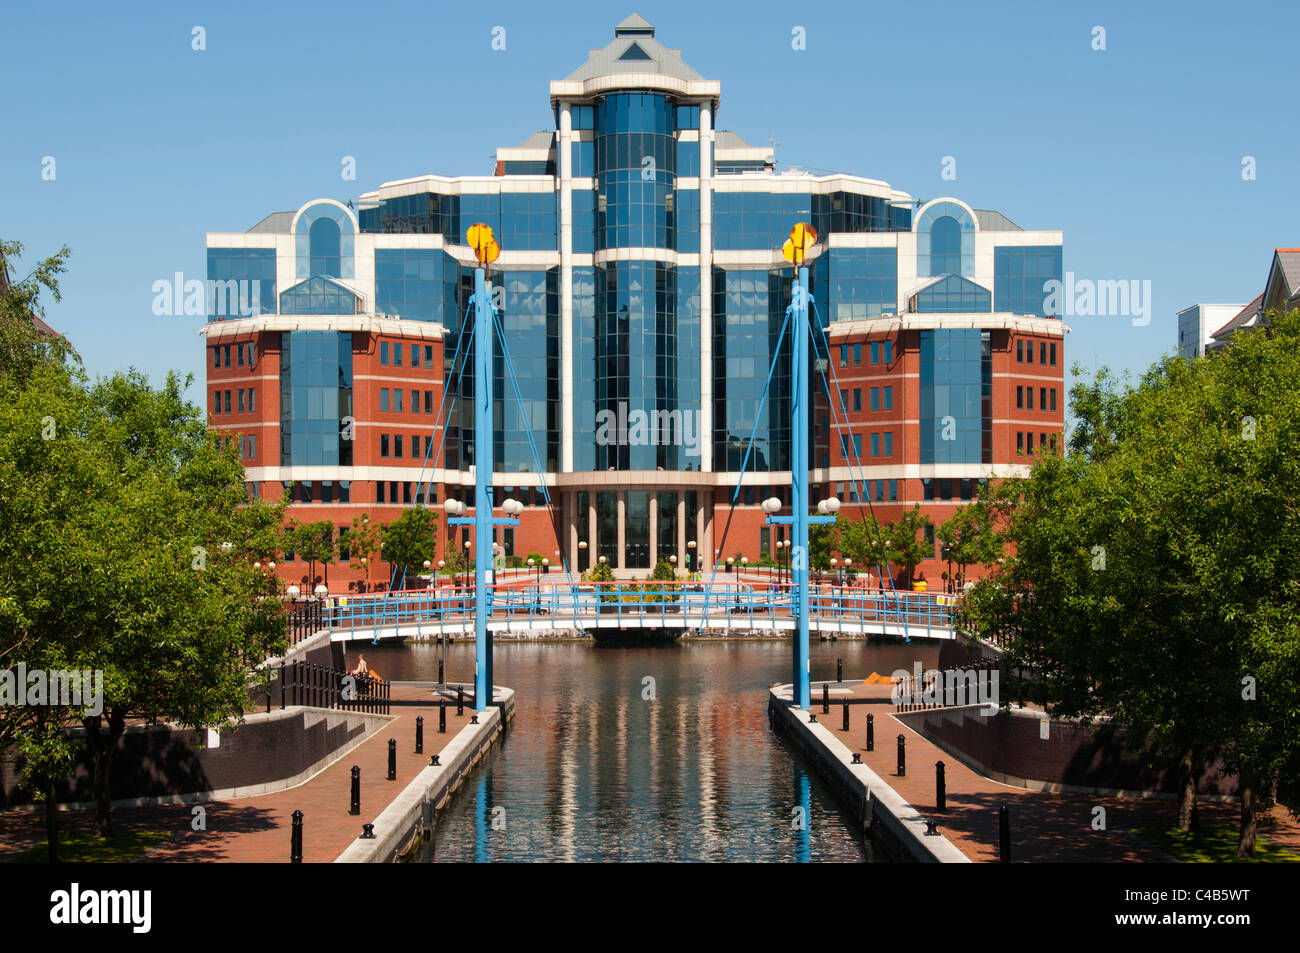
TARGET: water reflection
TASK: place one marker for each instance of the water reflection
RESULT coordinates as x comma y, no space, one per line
602,764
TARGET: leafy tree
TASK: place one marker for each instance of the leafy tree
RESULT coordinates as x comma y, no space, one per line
970,539
412,538
905,543
314,542
363,543
1153,579
24,343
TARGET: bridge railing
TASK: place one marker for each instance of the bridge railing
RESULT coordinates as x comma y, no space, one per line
632,604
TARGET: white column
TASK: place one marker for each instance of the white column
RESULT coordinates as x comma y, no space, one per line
654,528
564,149
706,290
622,530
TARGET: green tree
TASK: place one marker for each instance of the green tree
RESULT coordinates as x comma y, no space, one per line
314,542
970,539
363,544
1153,580
411,539
905,544
25,343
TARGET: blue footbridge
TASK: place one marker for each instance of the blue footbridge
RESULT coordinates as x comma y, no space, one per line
537,607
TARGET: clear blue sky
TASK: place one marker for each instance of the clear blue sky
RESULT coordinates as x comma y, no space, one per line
1135,152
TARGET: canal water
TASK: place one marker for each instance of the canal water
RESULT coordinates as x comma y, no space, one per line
645,753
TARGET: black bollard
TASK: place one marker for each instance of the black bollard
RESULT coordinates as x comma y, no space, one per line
356,790
434,762
473,719
392,759
460,700
441,679
826,699
442,716
902,756
295,839
857,758
419,734
1004,835
367,831
839,670
871,732
940,788
846,716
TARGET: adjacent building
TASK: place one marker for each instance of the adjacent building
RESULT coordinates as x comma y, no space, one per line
1197,324
642,294
1281,293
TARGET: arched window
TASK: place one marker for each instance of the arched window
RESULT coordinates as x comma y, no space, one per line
325,239
945,247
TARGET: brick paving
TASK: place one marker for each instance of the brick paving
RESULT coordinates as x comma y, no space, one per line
1044,827
257,829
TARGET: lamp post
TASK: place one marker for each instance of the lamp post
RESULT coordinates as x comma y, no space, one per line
530,569
546,567
582,555
690,555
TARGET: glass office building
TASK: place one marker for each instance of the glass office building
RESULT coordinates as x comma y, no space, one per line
642,295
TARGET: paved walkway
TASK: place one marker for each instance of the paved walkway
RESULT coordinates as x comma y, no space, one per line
1044,827
257,829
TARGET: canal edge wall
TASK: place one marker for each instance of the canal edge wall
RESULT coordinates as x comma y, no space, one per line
409,813
892,821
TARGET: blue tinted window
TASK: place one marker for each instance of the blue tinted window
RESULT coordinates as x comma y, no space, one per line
325,248
956,396
323,242
1020,274
528,221
953,295
407,283
582,117
318,296
945,241
688,220
315,395
688,117
688,158
756,220
584,158
241,282
584,221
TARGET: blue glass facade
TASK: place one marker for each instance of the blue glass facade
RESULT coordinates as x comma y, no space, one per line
318,296
953,295
408,283
530,321
744,220
1020,272
748,310
315,396
636,163
858,283
945,241
956,396
240,264
325,242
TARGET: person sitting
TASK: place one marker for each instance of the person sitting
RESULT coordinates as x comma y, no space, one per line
362,668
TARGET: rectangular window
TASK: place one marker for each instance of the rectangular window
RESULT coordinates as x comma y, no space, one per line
927,489
889,398
889,443
1020,442
216,357
216,401
1053,393
889,352
406,490
397,445
844,355
1029,398
415,446
227,401
844,399
428,355
415,401
875,444
875,398
1020,397
880,491
428,401
1029,442
345,491
383,352
857,355
415,355
1020,351
945,490
252,353
893,491
379,492
1051,353
392,491
383,445
1042,398
857,398
252,399
326,494
240,407
225,353
1042,442
1029,353
875,352
397,355
383,399
1042,352
239,355
397,399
